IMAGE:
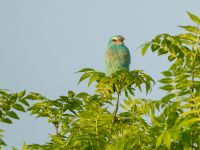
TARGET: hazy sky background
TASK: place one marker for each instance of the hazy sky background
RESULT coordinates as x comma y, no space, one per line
44,42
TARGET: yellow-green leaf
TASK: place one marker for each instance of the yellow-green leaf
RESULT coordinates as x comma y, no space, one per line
144,48
194,18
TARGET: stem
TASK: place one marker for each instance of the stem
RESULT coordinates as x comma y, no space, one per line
115,112
116,108
193,74
56,126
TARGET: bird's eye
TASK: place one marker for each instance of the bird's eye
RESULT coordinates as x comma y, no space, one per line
114,40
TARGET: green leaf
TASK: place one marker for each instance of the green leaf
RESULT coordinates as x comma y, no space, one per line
167,73
167,87
24,147
162,51
86,69
7,120
159,139
194,18
166,80
57,139
168,97
154,47
124,107
190,122
84,76
34,96
19,107
131,91
12,114
167,139
192,29
13,148
190,112
71,94
23,101
144,48
82,95
21,94
171,57
93,78
125,114
189,36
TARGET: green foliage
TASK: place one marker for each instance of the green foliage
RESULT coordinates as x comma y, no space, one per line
181,104
83,121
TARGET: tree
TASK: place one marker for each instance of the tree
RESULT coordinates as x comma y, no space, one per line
84,121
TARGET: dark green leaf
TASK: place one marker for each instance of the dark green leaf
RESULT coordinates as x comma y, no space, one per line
162,51
12,114
7,120
154,47
71,94
125,114
19,107
131,91
171,57
23,101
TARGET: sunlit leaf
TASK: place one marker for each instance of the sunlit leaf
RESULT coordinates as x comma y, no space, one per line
167,139
86,69
193,29
159,139
24,147
194,18
168,97
166,80
145,48
84,76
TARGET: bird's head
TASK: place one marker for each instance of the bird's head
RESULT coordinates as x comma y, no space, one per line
116,40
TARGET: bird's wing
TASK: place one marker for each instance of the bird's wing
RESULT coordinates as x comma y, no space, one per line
110,56
124,56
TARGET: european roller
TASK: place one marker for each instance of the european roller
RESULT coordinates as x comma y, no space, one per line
117,55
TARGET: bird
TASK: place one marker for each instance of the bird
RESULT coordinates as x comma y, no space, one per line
117,55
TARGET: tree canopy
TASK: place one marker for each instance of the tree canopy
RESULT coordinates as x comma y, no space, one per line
84,121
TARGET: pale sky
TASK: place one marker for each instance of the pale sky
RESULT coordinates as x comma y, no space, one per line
44,42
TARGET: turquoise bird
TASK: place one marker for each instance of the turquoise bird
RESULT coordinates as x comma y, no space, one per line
117,55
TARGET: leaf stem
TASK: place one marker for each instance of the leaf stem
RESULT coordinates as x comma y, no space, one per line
116,108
